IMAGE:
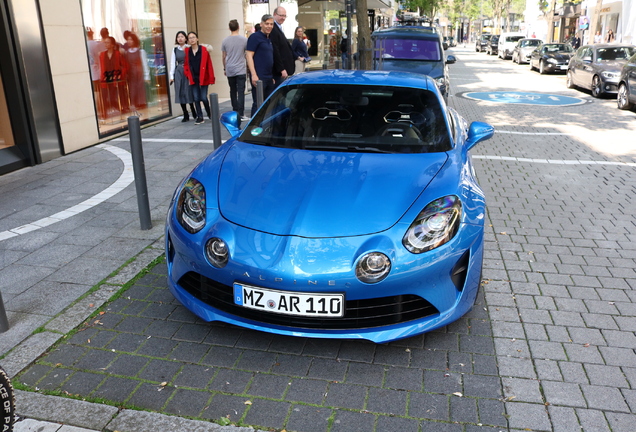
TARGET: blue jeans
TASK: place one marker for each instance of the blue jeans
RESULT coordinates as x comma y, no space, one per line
200,94
237,93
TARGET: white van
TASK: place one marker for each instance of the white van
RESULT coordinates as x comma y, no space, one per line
507,42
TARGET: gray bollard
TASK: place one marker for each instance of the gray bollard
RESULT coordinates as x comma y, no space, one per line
134,131
260,96
4,321
216,123
337,64
324,65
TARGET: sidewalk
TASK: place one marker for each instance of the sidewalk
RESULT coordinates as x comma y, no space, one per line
70,225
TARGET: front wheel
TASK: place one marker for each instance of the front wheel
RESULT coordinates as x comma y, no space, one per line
597,88
542,67
622,99
568,80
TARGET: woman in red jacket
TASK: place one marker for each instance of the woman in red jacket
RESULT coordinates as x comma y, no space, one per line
200,73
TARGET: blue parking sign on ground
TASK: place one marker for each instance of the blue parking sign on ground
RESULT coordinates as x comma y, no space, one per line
524,98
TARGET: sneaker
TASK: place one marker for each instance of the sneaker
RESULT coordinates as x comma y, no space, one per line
244,118
199,121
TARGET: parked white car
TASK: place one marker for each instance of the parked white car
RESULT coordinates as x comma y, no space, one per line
507,42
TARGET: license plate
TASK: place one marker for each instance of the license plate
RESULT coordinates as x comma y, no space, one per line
289,303
563,67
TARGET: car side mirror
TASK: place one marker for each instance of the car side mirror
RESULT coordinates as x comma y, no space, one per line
587,59
478,132
451,59
230,120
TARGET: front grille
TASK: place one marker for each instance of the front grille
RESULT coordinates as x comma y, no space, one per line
365,313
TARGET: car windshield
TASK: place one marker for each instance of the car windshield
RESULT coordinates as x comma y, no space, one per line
408,49
513,38
615,53
556,47
530,43
351,118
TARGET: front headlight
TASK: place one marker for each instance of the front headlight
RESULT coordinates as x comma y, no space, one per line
553,61
217,252
610,75
435,225
440,82
373,267
191,206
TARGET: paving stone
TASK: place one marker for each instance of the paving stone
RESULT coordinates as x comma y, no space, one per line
547,350
604,398
528,416
492,412
516,367
482,386
194,376
574,372
429,406
563,419
223,336
429,359
386,423
307,390
387,401
522,390
267,413
151,396
188,352
269,386
187,403
463,410
327,369
327,348
620,422
221,356
227,406
348,421
115,389
257,361
127,365
404,379
160,371
606,376
309,418
346,396
357,351
287,344
365,374
442,382
563,393
293,365
126,342
231,381
81,383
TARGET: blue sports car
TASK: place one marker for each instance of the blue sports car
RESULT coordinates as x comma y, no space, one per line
346,208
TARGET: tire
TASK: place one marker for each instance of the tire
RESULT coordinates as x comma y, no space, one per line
7,402
542,70
568,79
597,87
622,99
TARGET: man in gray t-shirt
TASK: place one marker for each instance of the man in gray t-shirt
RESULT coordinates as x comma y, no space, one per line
233,49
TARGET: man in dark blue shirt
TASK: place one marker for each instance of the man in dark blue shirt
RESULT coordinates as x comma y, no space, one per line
260,59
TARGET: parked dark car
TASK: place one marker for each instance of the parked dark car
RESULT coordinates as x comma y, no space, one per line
480,43
551,57
523,49
451,41
492,45
626,98
598,67
413,49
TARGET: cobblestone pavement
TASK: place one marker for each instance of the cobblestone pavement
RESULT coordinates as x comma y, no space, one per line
549,346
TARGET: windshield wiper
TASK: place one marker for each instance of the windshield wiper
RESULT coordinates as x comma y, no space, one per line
347,148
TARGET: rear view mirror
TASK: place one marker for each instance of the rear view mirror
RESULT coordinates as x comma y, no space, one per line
230,120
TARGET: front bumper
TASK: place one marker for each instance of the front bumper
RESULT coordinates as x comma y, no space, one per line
419,294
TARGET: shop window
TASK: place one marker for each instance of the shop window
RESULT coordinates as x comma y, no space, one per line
127,61
6,133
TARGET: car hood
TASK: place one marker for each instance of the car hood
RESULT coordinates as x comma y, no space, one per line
319,193
559,55
611,65
434,69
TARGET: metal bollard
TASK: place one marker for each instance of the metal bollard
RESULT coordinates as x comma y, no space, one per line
260,96
324,65
337,64
4,321
216,123
134,131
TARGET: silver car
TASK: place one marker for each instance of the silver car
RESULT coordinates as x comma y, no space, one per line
598,67
523,49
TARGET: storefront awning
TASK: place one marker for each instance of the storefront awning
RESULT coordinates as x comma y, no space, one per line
371,4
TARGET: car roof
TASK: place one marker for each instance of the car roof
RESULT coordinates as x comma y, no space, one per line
364,77
411,31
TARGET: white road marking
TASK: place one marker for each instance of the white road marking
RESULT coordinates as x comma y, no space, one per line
126,178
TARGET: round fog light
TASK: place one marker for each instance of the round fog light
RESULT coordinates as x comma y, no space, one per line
217,252
373,267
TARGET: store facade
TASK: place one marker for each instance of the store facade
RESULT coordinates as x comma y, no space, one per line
60,93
